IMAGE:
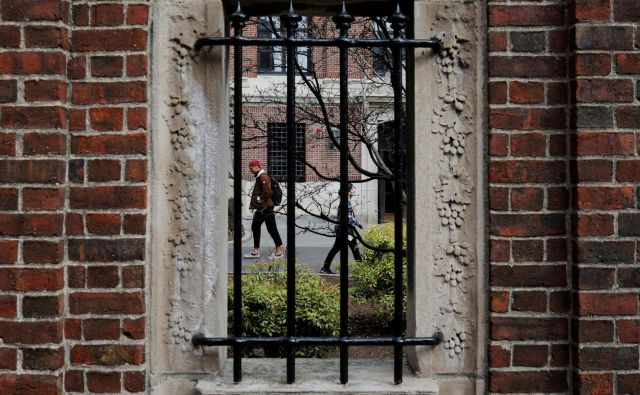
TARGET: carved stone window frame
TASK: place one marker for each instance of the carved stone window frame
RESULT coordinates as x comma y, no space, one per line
189,145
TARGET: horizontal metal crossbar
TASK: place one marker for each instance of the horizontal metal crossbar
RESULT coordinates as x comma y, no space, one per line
317,341
317,42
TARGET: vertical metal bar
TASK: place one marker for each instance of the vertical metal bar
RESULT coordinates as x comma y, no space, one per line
398,21
237,21
291,23
343,21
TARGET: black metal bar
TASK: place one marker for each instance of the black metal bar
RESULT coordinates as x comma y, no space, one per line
343,22
238,22
317,42
398,21
318,341
291,21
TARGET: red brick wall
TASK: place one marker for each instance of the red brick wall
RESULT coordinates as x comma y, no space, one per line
73,168
563,176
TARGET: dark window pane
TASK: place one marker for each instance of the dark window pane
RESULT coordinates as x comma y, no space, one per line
277,151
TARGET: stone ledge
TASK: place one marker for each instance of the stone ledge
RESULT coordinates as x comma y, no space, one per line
315,376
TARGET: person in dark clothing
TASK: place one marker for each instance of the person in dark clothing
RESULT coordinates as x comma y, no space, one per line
352,242
263,204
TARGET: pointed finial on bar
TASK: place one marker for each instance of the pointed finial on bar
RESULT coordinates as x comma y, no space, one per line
238,17
292,19
343,20
398,20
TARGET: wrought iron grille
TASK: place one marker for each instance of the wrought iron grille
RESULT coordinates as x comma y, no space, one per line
277,151
397,43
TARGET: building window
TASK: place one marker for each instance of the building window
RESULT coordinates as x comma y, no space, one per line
274,59
277,151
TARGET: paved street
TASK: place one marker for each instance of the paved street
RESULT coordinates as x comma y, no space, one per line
311,249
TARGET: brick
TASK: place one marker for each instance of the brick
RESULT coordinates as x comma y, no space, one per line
109,92
594,225
628,63
32,63
8,358
102,277
560,302
102,250
499,199
133,276
24,280
107,66
30,383
137,14
8,307
42,199
526,92
603,37
9,36
36,251
107,355
586,331
525,15
136,170
29,10
626,11
558,40
594,277
604,91
107,14
8,144
527,225
592,10
628,382
598,143
77,120
137,118
77,68
604,198
103,170
529,276
8,200
108,197
77,276
592,117
528,41
593,170
99,382
527,250
527,66
113,144
515,328
528,382
527,171
607,304
107,303
44,144
529,144
97,329
74,381
499,144
500,250
499,357
109,40
629,224
30,225
134,329
136,65
628,331
527,118
135,224
608,358
588,64
603,252
106,119
628,117
42,306
8,90
103,224
535,301
628,171
557,93
46,37
629,277
33,117
530,355
73,329
498,92
594,383
134,381
43,358
31,332
499,301
8,251
497,41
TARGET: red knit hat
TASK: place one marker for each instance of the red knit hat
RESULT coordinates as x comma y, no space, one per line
255,162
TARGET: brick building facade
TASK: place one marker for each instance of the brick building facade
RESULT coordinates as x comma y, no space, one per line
563,187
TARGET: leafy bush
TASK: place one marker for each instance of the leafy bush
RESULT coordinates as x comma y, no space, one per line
374,277
264,307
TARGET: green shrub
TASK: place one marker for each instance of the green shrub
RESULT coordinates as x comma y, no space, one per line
264,307
374,277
